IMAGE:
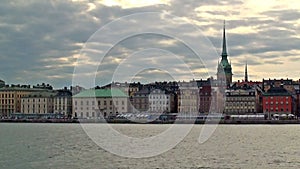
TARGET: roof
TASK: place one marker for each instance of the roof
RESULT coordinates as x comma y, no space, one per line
21,89
44,94
100,93
277,91
64,93
144,91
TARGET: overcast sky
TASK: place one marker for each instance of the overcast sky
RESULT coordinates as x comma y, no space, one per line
42,40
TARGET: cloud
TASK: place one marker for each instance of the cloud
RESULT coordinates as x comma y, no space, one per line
41,40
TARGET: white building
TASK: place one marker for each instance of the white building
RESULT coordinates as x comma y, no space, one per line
99,103
161,101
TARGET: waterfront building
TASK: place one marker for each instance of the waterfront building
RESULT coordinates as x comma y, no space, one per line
188,96
170,87
10,98
140,101
205,95
63,103
161,101
38,102
277,100
224,70
240,101
98,103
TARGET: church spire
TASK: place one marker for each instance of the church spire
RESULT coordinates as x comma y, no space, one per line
224,49
246,73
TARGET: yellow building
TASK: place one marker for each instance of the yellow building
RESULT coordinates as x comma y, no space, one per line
10,98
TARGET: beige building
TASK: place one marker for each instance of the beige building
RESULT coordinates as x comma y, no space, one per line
188,97
10,98
99,103
38,103
240,101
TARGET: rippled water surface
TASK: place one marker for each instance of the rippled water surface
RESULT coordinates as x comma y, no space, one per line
64,146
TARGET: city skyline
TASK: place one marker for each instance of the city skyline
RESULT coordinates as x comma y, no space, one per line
42,45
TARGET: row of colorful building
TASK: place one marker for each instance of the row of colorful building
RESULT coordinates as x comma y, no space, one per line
270,97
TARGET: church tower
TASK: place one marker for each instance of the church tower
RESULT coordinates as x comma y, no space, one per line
224,72
246,73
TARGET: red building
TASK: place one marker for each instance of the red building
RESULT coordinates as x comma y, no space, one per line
298,103
277,100
205,95
205,98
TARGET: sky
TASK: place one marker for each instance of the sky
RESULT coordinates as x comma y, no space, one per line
98,41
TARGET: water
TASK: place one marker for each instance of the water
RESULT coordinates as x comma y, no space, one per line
64,146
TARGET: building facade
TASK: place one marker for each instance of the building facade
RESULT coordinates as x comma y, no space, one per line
240,101
277,100
10,98
188,97
99,103
38,103
63,103
161,101
205,95
140,101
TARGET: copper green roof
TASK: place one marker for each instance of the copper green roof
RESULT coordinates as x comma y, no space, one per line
101,93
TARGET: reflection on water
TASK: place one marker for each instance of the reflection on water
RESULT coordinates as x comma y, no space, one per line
231,146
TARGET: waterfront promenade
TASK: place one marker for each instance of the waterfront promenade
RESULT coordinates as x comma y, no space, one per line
127,121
